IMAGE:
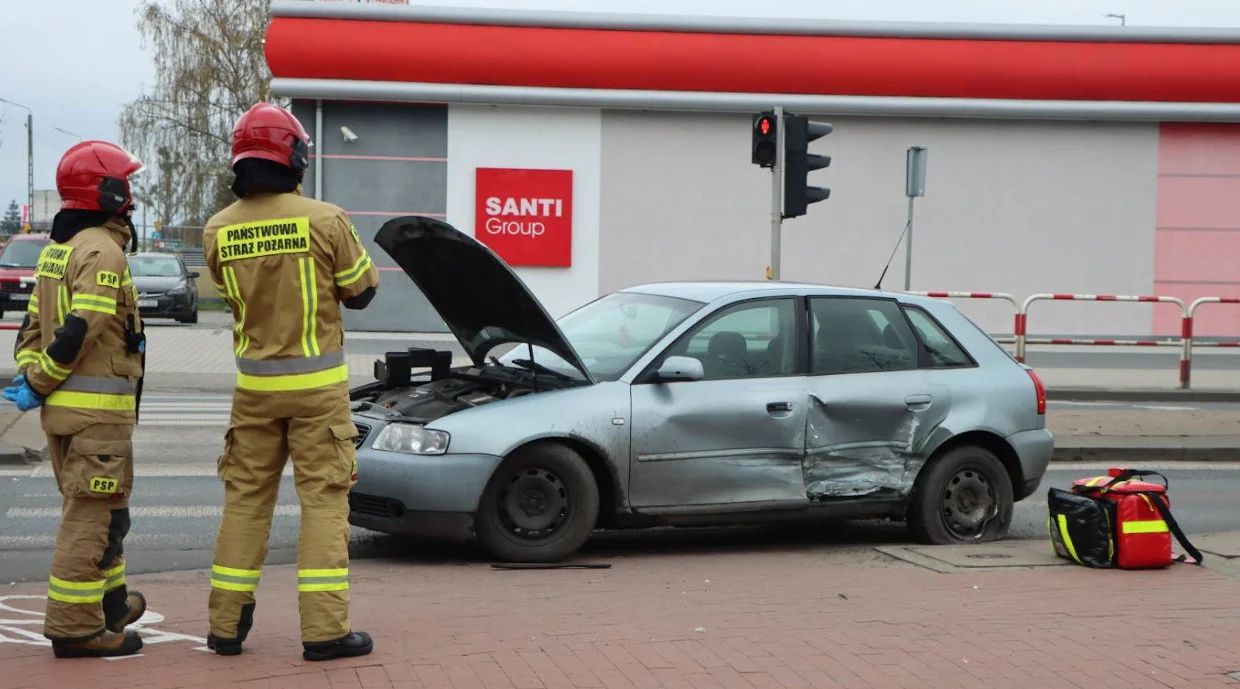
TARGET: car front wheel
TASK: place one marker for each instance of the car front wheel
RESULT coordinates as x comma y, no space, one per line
539,506
962,496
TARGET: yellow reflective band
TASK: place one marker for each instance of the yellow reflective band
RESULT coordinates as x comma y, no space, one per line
93,302
266,238
231,579
62,303
75,585
221,583
74,591
311,588
53,261
347,277
106,278
33,306
296,381
91,400
233,292
1067,540
27,356
312,580
53,369
342,572
116,577
1149,526
309,307
233,572
127,280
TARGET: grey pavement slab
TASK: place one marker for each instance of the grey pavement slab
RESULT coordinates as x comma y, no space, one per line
1221,544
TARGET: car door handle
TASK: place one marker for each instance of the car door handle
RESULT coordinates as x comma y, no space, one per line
917,402
778,407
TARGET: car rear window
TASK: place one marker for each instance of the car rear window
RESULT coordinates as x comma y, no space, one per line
22,253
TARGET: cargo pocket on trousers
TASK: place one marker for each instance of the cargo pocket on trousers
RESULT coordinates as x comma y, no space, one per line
345,435
101,468
225,458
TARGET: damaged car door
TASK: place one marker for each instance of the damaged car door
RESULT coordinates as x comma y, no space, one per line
871,409
719,417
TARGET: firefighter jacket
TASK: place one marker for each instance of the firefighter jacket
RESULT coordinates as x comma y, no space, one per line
79,343
283,263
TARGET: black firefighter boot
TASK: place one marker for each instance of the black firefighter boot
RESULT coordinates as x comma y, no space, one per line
122,608
232,647
107,644
350,645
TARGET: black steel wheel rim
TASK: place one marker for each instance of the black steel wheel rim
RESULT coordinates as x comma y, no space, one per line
533,503
968,503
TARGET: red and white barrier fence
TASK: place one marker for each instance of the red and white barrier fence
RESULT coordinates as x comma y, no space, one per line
1017,317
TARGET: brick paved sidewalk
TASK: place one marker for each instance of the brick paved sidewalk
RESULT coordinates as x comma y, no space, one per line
820,618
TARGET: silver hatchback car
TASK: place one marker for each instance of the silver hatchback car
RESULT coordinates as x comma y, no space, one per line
691,403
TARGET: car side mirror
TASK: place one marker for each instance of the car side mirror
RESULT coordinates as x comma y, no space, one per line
193,275
680,368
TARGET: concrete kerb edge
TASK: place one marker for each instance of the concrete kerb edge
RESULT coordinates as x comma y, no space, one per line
22,441
1140,395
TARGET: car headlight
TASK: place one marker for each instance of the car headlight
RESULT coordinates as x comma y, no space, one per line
411,439
177,290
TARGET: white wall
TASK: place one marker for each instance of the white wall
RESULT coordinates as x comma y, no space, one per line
509,137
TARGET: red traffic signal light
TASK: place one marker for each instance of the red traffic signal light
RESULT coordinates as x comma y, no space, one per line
765,125
763,145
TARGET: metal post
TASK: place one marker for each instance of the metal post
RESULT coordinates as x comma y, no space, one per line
318,157
30,164
908,249
777,193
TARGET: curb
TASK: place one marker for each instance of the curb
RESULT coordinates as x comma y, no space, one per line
1069,454
1140,395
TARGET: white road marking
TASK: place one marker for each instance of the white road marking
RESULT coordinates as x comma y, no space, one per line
148,511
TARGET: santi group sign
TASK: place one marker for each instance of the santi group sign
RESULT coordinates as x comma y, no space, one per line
526,216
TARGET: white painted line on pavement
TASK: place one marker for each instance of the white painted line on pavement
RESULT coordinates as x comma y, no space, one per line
140,470
152,511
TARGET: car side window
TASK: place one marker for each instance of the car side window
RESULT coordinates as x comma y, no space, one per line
941,350
860,335
755,339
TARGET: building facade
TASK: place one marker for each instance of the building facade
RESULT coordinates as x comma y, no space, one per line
594,152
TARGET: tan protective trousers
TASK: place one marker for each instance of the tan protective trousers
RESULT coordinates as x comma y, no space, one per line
316,429
94,472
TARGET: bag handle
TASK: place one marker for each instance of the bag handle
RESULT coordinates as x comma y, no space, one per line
1127,474
1176,531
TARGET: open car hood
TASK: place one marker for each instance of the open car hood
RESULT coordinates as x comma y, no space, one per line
477,295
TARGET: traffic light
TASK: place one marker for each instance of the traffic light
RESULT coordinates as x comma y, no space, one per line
799,162
765,139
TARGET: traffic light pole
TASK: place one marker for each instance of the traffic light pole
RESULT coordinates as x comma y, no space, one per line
777,195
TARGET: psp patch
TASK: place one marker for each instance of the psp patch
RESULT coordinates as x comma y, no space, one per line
106,278
103,484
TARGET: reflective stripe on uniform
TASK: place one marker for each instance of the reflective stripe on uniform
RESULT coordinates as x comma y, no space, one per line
116,578
1145,526
232,579
92,400
347,277
51,368
28,356
309,307
93,302
62,304
297,381
75,591
323,579
270,367
112,386
33,306
233,292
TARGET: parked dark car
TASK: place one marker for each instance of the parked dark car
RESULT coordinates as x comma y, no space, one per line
166,288
17,262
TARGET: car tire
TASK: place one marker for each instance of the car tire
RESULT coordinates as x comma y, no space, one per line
961,496
561,510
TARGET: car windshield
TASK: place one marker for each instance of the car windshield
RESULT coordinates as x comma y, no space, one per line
22,254
612,332
155,267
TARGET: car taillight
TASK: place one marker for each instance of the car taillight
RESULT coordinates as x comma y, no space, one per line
1040,390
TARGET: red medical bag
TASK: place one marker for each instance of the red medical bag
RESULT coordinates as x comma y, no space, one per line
1140,522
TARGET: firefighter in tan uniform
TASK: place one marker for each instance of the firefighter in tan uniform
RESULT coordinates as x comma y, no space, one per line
285,263
79,357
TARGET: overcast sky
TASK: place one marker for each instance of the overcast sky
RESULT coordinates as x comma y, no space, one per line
75,62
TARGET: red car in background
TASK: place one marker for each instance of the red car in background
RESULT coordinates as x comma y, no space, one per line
17,262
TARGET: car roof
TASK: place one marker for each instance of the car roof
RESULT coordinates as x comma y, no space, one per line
30,236
148,254
711,290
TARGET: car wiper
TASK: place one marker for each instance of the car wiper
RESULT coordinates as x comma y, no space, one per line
535,366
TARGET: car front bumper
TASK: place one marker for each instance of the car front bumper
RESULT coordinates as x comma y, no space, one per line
14,301
1034,449
418,495
166,306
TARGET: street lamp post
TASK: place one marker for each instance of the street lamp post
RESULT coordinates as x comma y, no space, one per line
1123,18
29,157
62,131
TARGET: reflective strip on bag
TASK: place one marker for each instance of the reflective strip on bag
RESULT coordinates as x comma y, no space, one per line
300,381
231,579
1145,526
116,577
311,580
74,591
1067,539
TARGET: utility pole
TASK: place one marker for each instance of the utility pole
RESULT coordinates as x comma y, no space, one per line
29,157
777,194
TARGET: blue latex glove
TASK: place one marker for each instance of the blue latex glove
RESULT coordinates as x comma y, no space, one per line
23,396
20,379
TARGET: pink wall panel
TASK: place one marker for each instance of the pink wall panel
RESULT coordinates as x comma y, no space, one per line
1197,241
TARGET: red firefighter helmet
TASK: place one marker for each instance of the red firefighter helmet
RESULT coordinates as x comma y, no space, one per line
270,132
94,176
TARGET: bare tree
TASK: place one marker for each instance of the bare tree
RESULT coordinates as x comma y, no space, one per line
209,69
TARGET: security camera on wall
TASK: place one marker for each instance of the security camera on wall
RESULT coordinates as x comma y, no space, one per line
348,134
